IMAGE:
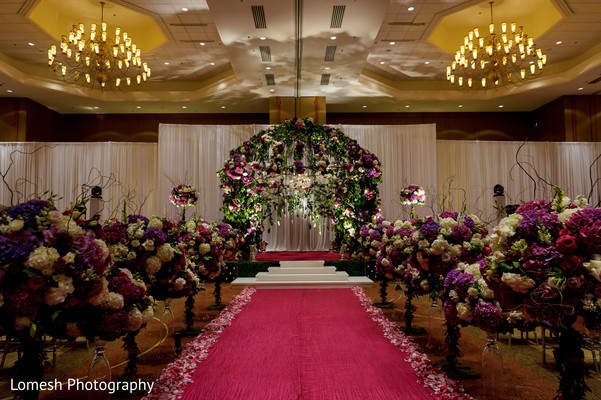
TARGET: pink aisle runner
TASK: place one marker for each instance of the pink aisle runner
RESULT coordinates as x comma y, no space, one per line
305,344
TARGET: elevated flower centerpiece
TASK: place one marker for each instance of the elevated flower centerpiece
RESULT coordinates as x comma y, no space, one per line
57,279
545,264
412,195
183,196
393,260
441,244
371,236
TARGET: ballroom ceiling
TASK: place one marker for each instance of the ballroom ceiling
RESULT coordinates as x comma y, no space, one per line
230,56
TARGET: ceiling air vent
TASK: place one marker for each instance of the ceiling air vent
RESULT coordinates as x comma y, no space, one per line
259,17
330,51
325,79
596,80
407,23
337,14
270,79
265,53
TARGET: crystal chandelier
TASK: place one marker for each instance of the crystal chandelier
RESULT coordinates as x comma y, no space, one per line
98,61
499,59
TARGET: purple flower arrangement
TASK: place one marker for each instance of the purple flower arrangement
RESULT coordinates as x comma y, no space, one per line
57,274
413,194
183,196
546,263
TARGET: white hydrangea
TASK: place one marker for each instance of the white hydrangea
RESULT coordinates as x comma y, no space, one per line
135,231
68,225
567,214
506,228
135,243
179,284
473,269
204,248
464,312
445,257
453,295
485,292
439,246
376,244
43,259
165,252
115,301
447,223
155,222
518,283
135,320
425,285
101,297
147,314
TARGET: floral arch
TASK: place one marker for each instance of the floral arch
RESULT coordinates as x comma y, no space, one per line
300,162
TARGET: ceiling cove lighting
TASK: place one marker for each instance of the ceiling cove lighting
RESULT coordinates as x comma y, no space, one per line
98,61
497,59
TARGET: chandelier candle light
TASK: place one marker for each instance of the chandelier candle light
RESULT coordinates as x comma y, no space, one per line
499,59
98,60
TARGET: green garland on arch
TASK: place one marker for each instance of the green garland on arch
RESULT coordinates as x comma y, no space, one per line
261,181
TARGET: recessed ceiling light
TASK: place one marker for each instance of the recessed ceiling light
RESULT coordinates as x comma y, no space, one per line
407,106
391,43
323,90
531,62
267,67
222,106
211,63
9,91
411,9
327,68
460,105
382,62
559,42
31,44
184,9
500,105
332,37
364,106
262,37
138,107
166,63
202,43
96,108
427,62
184,106
580,88
272,90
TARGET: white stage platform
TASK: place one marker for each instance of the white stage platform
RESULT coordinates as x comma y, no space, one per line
302,275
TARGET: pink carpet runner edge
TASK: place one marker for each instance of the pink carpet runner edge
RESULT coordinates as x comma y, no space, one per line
303,344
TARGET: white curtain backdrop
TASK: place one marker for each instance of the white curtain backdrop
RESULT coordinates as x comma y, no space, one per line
468,171
126,171
141,175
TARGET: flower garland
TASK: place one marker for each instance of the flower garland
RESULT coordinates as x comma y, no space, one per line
174,379
260,178
431,377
